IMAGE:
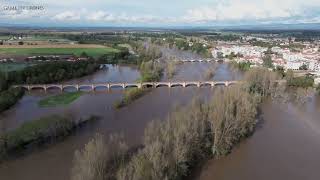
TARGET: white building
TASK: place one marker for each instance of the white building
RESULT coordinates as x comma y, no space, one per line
314,65
293,65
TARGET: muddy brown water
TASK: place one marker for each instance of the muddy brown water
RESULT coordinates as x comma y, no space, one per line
284,146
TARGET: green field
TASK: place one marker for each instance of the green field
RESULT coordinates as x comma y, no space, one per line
60,100
94,52
7,67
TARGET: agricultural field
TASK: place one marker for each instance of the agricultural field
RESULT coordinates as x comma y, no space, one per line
92,50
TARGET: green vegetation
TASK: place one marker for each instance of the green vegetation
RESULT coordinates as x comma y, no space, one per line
171,69
243,66
7,67
131,95
194,46
304,82
303,67
318,89
93,52
60,100
52,72
267,61
261,81
37,132
150,72
226,37
232,56
280,71
9,98
40,74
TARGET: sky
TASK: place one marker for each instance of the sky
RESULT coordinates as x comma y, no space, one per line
159,12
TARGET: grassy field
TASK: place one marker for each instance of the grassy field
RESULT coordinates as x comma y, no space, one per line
28,51
7,67
60,100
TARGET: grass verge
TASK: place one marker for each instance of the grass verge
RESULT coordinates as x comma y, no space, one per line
60,100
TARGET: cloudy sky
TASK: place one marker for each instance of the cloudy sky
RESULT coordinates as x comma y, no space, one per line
159,12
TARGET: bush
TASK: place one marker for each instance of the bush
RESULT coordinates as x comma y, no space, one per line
9,98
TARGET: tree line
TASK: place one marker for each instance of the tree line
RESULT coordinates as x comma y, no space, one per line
40,74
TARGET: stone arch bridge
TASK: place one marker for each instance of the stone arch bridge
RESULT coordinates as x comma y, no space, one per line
109,86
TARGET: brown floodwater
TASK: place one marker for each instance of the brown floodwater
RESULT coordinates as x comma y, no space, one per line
55,161
284,146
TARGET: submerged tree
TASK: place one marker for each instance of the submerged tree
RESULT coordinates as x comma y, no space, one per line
233,115
99,159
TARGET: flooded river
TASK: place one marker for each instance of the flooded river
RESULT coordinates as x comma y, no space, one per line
283,147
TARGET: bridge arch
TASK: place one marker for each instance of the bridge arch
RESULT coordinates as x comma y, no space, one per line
131,86
53,87
177,85
220,84
115,86
206,84
162,85
148,85
97,87
191,84
85,87
38,88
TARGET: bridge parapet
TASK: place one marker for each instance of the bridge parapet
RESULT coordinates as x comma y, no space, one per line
93,86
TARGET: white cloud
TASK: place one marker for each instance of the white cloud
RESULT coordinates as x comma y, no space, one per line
67,16
250,10
191,12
